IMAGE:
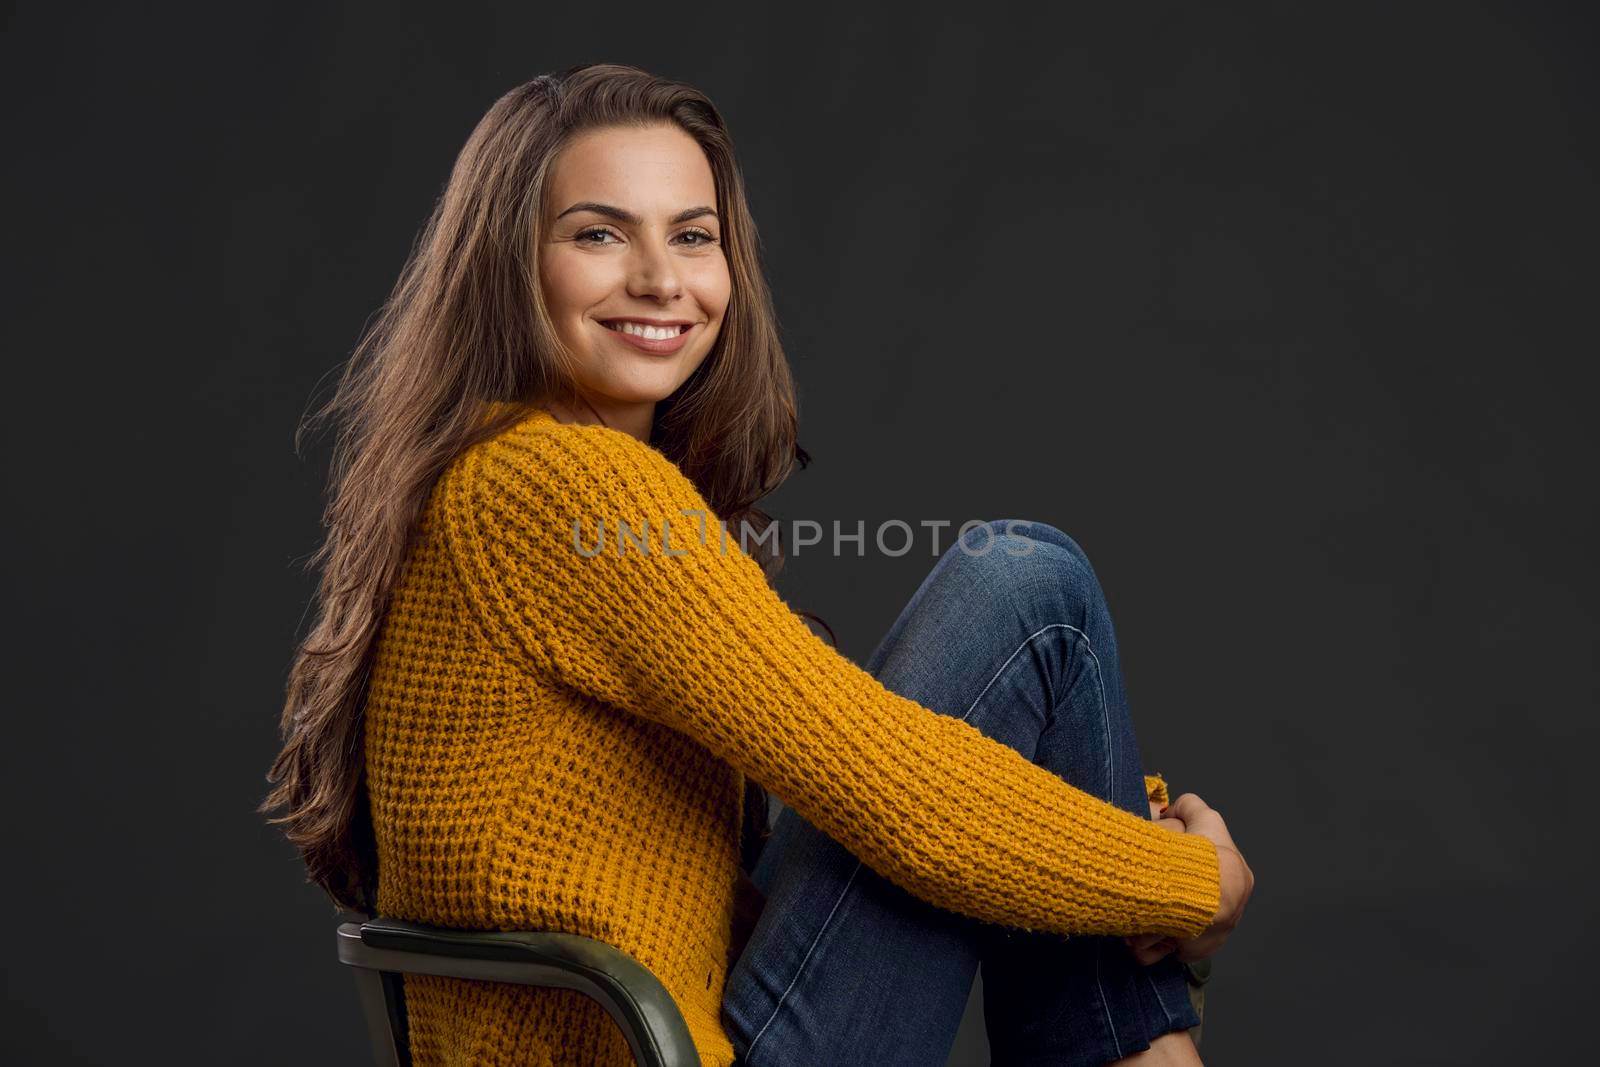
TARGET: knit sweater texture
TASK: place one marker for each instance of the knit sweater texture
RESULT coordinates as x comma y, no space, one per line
557,738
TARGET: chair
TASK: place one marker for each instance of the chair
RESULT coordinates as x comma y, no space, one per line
1197,974
382,950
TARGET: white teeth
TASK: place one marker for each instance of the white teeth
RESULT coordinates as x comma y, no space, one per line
649,333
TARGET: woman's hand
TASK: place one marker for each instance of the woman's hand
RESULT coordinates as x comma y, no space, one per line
1190,814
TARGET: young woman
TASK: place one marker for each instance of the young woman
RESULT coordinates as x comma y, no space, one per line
549,669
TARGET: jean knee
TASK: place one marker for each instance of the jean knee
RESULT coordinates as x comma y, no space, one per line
1043,533
1028,594
976,536
1023,558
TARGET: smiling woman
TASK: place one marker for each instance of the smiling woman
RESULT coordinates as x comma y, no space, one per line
487,729
632,267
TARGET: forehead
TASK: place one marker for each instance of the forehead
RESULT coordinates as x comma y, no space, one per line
650,171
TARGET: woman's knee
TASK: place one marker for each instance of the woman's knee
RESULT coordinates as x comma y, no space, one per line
1015,586
1030,530
1023,559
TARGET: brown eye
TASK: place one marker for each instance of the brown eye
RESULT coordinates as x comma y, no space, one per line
701,238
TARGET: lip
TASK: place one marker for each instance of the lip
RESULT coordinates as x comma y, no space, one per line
664,347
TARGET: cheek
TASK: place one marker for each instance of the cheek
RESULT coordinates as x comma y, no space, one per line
573,284
713,287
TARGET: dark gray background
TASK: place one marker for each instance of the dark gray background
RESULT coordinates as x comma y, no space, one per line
1285,314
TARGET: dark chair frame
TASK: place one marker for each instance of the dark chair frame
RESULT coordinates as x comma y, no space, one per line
382,950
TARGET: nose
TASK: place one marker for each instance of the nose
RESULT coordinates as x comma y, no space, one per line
655,275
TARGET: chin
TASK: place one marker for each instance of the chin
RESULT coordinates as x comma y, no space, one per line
647,384
645,389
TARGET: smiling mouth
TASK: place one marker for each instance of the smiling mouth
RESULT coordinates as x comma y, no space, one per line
649,333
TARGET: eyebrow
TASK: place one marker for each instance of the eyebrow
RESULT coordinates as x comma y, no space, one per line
629,217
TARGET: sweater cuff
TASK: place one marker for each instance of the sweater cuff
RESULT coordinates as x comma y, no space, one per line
1196,887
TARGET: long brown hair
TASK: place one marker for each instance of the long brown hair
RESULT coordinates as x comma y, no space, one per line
460,350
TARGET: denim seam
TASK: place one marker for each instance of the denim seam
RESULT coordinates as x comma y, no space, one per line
800,970
1171,1022
1105,711
823,929
1101,989
1111,798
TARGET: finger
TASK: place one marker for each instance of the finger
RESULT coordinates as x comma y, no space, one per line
1198,948
1139,942
1156,952
1156,808
1188,807
1175,825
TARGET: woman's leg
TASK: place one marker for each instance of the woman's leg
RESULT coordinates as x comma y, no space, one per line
1040,992
1010,632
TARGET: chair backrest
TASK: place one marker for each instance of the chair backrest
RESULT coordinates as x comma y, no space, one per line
383,949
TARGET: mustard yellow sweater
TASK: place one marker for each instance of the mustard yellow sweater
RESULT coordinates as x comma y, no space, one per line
558,740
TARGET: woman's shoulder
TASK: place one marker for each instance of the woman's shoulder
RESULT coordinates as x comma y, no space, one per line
539,455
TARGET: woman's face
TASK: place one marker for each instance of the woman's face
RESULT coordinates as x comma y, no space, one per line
633,243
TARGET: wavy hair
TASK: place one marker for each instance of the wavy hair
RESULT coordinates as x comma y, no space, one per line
460,350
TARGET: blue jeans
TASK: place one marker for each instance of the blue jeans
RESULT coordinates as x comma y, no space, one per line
846,968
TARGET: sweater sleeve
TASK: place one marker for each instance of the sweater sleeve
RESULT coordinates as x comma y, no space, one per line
687,632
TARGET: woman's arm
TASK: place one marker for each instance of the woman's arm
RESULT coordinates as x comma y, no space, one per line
699,641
